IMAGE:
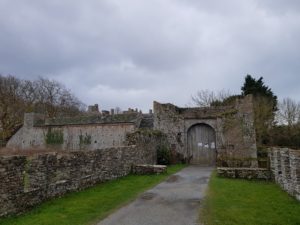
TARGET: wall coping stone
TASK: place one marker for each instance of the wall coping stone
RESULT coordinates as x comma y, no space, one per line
242,168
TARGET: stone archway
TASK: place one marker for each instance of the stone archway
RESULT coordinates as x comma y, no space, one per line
201,142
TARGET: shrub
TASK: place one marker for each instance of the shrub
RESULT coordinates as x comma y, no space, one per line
163,155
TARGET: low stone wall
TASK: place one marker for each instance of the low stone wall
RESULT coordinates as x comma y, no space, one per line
244,173
285,168
142,169
235,162
29,180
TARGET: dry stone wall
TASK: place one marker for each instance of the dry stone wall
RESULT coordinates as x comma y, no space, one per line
244,173
29,180
285,168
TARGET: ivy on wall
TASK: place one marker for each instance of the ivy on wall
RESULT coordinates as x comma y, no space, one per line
85,139
54,137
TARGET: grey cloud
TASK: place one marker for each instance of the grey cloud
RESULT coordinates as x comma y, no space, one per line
277,7
132,51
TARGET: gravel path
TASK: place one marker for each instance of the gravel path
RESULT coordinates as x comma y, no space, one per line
175,201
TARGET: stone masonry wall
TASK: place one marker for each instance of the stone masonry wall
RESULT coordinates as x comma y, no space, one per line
70,136
244,173
168,120
285,168
239,133
29,180
233,125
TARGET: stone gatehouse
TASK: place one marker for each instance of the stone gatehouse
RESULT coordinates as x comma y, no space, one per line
223,134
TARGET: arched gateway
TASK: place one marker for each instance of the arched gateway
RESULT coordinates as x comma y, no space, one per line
209,135
202,144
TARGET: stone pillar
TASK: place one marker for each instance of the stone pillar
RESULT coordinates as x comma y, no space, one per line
285,169
271,156
295,173
277,165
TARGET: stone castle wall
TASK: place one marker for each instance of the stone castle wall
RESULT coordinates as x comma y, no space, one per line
233,125
285,168
86,133
29,180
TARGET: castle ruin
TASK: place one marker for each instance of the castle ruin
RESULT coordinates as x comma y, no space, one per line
206,136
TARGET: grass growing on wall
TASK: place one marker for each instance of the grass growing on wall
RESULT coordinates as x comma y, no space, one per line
90,205
236,202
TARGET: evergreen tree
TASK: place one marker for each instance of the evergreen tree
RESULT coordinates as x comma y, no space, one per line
265,106
258,89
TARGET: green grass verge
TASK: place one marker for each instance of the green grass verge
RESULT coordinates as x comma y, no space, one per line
242,202
90,205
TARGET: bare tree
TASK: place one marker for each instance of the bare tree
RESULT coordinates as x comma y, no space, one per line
44,96
11,105
206,98
55,100
288,112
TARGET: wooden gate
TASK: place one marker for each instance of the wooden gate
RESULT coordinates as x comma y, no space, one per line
202,144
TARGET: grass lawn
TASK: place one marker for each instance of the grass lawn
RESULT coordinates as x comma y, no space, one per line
242,202
90,205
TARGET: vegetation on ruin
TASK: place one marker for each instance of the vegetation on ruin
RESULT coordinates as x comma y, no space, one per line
143,134
162,146
163,155
235,202
90,205
54,137
85,139
207,98
146,132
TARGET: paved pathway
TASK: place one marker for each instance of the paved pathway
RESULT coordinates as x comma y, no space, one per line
175,201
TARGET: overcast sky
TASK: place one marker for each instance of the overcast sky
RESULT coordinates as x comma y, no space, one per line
128,53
